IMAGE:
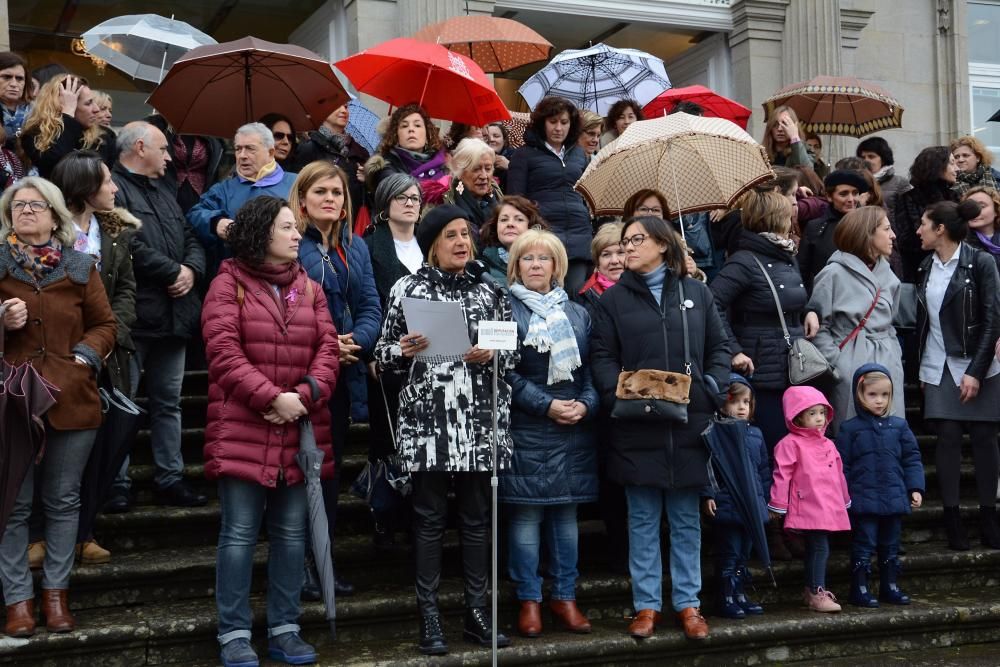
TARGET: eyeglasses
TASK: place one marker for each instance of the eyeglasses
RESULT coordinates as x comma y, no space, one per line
35,206
281,136
647,210
636,240
403,200
528,259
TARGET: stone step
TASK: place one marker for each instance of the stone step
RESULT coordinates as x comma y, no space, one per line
184,633
952,655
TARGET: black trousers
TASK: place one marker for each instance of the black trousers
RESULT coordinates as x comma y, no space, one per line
985,459
430,515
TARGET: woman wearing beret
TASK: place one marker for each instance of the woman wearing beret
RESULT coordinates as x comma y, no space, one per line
844,188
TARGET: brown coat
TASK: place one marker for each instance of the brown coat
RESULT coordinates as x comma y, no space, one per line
68,315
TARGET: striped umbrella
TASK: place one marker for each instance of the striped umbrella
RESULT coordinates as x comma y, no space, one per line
597,77
839,105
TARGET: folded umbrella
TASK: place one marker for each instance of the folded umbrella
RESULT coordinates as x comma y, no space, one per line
726,441
447,85
838,105
714,104
215,89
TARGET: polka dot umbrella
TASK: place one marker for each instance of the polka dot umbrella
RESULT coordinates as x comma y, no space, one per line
838,105
496,44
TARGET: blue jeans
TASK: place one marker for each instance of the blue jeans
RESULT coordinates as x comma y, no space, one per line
817,553
244,506
525,541
646,506
162,364
873,533
66,454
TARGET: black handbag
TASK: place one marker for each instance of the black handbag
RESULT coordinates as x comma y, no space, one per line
655,395
381,483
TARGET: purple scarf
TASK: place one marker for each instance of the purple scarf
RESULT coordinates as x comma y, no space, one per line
988,243
432,167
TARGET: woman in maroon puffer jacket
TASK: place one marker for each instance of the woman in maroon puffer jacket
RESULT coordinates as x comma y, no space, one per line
264,330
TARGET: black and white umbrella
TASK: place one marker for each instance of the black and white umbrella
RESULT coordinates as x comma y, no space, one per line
595,78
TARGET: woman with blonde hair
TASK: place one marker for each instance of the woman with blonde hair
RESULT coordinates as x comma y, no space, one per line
590,132
63,118
782,140
554,464
341,264
473,188
975,164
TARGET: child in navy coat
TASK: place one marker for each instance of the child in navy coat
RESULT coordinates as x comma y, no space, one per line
885,478
732,538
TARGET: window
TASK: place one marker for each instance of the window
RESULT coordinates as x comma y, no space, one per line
984,71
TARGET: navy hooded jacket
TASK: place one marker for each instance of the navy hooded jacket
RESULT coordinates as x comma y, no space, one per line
881,459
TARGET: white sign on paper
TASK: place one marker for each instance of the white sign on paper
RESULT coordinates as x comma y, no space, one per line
497,335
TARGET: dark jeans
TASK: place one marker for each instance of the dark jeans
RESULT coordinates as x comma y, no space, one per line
985,458
430,515
873,533
732,547
817,553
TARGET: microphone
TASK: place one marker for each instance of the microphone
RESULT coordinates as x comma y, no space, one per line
481,274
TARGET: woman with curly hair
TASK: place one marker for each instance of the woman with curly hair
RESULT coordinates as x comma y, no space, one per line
933,175
411,145
974,162
65,117
272,352
621,114
983,232
782,140
545,170
513,216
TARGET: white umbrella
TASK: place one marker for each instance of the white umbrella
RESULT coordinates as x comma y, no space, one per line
595,78
143,46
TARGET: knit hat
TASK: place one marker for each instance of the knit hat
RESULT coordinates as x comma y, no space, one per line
845,177
432,224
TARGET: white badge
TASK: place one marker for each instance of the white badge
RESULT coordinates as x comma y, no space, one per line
497,335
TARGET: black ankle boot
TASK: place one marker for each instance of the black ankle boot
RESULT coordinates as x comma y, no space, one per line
478,628
432,636
957,540
989,533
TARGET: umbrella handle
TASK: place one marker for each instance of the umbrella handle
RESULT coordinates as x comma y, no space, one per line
313,387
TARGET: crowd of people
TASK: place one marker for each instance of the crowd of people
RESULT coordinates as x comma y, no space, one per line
296,253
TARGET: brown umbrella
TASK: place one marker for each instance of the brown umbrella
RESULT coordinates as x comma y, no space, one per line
516,127
214,89
495,44
839,105
699,164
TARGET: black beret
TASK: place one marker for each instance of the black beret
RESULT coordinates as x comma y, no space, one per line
433,222
845,177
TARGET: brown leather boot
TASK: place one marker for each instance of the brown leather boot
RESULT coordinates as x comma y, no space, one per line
569,616
529,621
693,623
20,619
644,622
55,608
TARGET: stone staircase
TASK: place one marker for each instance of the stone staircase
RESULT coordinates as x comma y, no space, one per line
154,603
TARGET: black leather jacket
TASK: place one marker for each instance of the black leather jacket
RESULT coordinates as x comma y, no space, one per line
969,321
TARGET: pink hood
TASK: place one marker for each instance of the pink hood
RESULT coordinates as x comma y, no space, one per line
797,399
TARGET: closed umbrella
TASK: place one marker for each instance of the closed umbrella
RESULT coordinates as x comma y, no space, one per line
839,105
215,89
310,460
447,85
726,440
494,43
699,164
144,46
714,104
597,77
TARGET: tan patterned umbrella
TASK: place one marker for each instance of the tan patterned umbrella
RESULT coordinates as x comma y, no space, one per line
516,127
495,44
839,105
700,164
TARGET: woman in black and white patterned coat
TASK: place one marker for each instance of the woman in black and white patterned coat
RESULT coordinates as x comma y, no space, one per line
445,422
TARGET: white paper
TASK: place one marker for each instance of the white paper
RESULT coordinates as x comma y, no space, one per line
442,324
497,335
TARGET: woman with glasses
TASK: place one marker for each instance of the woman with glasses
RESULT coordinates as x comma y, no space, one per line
285,140
662,463
554,465
654,203
338,261
58,318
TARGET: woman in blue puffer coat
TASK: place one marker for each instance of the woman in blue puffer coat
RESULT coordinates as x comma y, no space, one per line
554,464
340,263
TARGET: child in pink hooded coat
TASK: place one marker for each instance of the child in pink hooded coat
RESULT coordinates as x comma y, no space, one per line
809,487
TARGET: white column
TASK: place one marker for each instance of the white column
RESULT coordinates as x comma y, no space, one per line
755,43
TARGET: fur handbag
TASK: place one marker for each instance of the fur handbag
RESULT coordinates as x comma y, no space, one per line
655,395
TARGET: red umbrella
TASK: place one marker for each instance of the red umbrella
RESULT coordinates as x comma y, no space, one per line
214,89
496,44
447,85
714,104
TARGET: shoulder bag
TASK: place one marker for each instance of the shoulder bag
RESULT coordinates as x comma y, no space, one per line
655,395
805,362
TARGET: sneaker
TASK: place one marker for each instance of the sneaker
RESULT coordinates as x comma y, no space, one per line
92,553
238,653
289,648
36,554
823,600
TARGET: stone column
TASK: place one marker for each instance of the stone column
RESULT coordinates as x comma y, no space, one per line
951,55
756,51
